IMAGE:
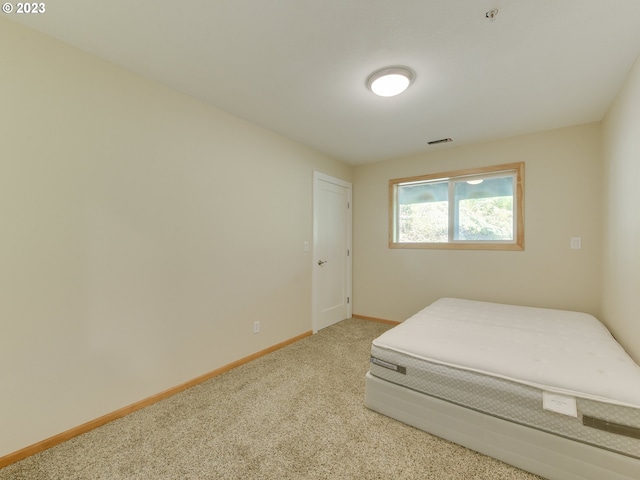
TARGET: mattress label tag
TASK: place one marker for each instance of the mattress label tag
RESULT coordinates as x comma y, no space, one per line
563,404
390,366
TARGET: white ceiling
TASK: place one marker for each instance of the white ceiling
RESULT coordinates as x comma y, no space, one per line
298,67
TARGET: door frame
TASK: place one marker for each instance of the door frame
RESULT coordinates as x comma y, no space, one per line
319,176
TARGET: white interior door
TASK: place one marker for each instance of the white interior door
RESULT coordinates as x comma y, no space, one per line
331,250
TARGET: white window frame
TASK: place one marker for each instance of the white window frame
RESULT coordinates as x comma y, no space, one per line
516,169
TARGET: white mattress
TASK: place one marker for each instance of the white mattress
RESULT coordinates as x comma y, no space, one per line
568,353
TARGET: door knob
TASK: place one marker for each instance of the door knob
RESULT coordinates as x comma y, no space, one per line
322,262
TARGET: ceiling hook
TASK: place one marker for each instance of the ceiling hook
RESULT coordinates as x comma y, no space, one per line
491,14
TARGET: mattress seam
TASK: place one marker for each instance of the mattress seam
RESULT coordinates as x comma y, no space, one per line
548,388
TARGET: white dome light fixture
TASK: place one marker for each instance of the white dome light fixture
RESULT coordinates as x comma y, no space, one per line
390,81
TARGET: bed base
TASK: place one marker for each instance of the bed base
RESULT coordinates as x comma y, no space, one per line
535,451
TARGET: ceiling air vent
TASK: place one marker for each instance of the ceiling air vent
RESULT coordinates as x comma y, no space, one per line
442,140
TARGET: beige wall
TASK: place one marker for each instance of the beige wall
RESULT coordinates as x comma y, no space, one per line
143,232
621,258
562,199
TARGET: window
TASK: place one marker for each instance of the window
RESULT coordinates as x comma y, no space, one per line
469,209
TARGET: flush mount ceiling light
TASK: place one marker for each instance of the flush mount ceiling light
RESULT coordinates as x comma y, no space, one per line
390,81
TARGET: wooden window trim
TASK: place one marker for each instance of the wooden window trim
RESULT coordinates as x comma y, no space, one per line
517,167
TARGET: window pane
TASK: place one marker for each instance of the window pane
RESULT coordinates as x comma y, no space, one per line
470,209
423,213
484,211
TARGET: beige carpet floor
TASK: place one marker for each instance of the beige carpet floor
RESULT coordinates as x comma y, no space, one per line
297,413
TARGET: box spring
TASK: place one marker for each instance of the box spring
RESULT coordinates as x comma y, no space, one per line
549,455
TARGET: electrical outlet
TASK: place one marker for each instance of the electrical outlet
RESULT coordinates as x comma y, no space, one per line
576,243
256,327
